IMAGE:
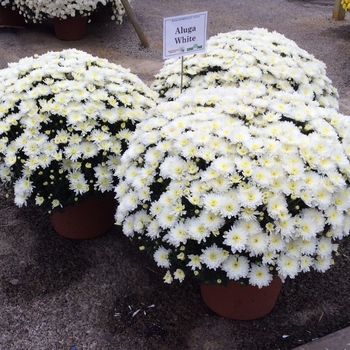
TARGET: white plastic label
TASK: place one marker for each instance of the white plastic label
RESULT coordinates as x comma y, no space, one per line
184,35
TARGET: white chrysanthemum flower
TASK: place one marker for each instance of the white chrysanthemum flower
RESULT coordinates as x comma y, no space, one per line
31,148
168,278
5,173
261,176
156,208
211,221
21,199
334,216
315,216
307,197
276,204
166,199
10,159
342,200
287,266
179,275
195,262
229,205
204,152
167,217
324,247
259,276
212,202
252,227
306,262
23,188
306,228
294,169
276,243
172,167
88,149
250,197
55,203
322,197
213,256
220,184
257,244
346,224
269,257
175,190
236,238
292,248
245,165
255,145
129,201
308,247
120,189
322,264
141,220
337,179
236,267
131,173
177,235
223,165
153,229
161,257
78,185
196,229
73,152
104,184
312,179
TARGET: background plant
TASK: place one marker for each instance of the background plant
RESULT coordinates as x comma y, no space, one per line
38,10
256,58
345,4
5,3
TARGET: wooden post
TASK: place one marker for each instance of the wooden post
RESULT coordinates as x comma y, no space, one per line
338,11
129,11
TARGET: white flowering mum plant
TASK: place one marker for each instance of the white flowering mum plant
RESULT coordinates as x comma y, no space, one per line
256,58
65,119
231,184
6,3
38,10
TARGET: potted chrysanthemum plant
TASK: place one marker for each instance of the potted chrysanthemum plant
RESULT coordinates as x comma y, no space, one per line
69,17
239,189
219,185
65,119
9,15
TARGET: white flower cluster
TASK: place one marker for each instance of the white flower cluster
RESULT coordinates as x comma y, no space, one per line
5,3
118,10
65,119
257,58
231,183
38,10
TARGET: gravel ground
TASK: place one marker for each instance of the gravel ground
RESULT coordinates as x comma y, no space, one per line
56,293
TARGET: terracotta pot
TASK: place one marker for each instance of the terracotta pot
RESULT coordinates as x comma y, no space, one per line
11,18
241,302
91,218
70,29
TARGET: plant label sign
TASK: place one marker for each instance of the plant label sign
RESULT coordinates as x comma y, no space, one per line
184,35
